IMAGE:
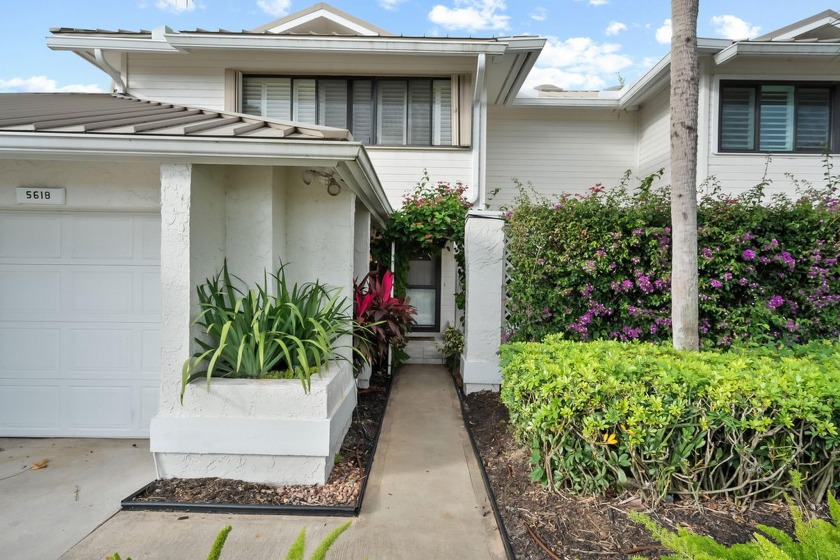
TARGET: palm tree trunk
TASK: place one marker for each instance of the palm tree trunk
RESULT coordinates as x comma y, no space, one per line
684,99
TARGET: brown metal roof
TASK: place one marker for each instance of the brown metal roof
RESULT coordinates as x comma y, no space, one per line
102,113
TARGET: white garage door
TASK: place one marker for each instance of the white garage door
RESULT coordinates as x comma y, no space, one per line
79,323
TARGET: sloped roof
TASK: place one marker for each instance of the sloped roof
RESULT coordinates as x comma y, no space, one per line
322,19
92,113
824,26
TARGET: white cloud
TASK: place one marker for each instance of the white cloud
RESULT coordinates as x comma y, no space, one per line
732,27
471,15
539,14
44,84
390,4
577,63
663,34
176,6
275,8
598,2
615,27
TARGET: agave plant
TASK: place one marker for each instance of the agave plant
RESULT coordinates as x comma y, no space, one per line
384,320
255,334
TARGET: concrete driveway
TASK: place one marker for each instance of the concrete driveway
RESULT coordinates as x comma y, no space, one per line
43,513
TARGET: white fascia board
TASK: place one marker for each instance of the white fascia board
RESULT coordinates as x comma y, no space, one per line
113,147
571,103
386,45
86,42
806,28
662,69
776,49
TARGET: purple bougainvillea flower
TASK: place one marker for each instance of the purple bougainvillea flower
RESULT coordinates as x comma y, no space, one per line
748,255
706,253
775,302
716,283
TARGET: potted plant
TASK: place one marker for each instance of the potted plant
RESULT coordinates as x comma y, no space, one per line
279,391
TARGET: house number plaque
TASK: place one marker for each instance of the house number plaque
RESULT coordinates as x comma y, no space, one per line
40,195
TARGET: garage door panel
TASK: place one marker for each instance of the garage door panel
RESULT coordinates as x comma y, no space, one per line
99,407
34,406
27,236
101,238
30,349
80,319
29,291
149,239
100,350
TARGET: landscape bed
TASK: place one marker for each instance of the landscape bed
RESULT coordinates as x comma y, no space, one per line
590,527
342,495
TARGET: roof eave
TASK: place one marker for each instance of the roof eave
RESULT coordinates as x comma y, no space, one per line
399,45
571,103
756,49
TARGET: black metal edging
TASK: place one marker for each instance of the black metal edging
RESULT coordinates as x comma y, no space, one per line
487,487
268,509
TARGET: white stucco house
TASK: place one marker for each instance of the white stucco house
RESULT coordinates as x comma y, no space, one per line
207,148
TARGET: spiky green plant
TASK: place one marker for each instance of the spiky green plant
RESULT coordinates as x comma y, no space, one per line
287,332
815,540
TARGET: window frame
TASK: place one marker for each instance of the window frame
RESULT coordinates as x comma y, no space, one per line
375,80
833,117
435,259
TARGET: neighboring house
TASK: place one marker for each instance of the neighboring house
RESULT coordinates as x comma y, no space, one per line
447,105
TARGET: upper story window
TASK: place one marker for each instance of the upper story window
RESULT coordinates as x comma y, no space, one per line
774,117
377,111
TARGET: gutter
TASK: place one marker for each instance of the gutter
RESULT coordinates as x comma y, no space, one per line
776,49
479,132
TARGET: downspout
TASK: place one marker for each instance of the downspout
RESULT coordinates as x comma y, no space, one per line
110,70
390,350
479,133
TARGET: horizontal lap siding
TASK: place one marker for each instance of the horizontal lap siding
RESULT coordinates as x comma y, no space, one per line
654,137
557,150
400,169
198,79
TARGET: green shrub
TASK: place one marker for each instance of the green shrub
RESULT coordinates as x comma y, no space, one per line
746,424
815,539
255,334
599,266
452,348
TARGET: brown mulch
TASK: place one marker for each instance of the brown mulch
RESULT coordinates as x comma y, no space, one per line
590,528
342,488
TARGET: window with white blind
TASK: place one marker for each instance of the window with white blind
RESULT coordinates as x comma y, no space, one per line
377,111
769,117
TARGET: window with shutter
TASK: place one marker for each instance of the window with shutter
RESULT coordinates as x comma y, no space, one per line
795,117
391,109
383,111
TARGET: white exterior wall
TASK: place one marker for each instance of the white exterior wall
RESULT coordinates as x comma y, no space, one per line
400,169
654,136
198,79
558,150
89,186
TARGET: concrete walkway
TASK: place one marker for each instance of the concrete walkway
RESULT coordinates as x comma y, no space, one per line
425,498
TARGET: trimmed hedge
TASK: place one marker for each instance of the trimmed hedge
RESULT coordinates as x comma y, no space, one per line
748,424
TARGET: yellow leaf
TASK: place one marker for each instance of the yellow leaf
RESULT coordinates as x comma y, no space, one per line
610,439
42,464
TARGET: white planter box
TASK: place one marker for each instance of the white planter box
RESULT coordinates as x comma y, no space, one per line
267,431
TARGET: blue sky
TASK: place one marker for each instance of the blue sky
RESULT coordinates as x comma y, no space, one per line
591,42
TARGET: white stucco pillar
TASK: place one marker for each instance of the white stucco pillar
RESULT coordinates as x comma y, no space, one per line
250,222
484,247
361,246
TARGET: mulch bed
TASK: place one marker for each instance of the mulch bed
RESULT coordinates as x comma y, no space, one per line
342,488
541,523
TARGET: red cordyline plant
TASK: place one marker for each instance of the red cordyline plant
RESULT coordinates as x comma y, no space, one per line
384,320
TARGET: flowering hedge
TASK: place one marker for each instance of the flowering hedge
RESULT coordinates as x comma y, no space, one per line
598,266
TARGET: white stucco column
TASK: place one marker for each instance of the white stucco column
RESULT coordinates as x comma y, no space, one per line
361,246
484,247
250,217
